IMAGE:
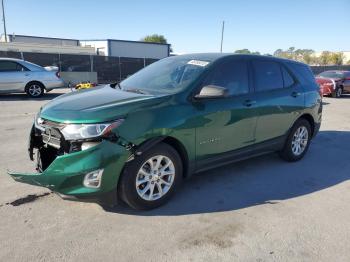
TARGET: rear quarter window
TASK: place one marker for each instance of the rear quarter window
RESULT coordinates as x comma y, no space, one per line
303,73
287,78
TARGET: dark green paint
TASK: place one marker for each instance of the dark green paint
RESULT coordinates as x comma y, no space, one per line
205,128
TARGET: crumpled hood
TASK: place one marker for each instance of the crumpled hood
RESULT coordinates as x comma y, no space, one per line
96,105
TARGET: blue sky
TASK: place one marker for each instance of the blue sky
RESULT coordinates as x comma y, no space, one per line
192,25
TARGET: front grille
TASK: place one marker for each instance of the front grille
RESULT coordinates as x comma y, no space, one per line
52,137
50,133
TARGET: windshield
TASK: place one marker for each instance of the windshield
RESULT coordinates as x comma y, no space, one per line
169,75
332,74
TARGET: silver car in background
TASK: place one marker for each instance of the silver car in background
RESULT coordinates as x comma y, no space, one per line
17,76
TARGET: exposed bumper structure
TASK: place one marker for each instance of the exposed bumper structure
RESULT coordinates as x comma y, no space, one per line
66,173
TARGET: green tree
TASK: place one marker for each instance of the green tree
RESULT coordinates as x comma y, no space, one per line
337,58
278,53
291,52
325,58
155,38
242,51
302,55
246,51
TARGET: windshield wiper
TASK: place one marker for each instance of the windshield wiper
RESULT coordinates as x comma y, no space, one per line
116,84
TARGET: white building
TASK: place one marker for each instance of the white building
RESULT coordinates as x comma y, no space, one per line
125,48
107,47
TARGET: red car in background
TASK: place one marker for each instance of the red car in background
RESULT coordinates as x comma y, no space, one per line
327,86
341,82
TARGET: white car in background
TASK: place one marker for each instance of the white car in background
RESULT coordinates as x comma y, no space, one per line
17,76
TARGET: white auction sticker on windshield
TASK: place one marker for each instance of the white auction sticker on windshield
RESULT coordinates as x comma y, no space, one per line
198,63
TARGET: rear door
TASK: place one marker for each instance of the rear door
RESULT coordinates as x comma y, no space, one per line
226,123
279,98
13,76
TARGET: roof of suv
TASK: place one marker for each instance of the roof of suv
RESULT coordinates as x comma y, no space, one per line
216,56
10,59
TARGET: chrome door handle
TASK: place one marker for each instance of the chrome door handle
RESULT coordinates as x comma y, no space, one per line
295,94
249,103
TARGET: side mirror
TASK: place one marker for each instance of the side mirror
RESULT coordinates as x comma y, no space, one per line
212,91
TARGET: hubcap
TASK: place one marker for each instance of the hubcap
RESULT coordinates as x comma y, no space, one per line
35,90
300,140
155,178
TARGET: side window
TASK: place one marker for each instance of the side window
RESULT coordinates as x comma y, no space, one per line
9,66
19,67
303,72
267,75
287,78
231,74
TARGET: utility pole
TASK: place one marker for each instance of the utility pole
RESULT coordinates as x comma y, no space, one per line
3,19
222,35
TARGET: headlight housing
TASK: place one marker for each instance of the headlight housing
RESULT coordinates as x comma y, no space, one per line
86,131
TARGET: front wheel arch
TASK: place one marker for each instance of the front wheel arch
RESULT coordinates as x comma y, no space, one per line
34,82
171,141
37,83
126,191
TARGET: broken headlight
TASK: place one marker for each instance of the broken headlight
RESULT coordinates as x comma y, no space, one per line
86,131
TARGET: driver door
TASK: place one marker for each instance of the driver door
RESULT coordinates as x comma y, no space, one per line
228,123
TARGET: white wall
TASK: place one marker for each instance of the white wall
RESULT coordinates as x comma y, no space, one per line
138,50
101,45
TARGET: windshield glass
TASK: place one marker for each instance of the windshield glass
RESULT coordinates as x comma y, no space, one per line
332,74
169,75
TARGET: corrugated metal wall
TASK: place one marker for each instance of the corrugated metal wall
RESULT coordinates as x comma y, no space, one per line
137,50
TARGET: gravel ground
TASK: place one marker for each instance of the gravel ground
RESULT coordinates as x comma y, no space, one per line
261,209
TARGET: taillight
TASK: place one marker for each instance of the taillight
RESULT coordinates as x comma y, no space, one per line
58,74
347,78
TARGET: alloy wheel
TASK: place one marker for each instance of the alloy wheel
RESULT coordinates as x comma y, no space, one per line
35,90
300,140
155,177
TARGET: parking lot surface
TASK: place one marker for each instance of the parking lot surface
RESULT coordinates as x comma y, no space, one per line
262,209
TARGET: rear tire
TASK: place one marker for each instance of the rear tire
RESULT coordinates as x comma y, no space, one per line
151,179
297,142
35,90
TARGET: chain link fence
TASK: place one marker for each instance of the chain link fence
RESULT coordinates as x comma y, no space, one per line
319,69
109,69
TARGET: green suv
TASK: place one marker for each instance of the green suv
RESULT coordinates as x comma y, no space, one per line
137,140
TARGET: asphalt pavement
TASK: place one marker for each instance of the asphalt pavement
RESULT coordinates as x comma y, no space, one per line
261,209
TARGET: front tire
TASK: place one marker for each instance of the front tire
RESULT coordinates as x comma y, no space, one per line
298,141
35,90
151,179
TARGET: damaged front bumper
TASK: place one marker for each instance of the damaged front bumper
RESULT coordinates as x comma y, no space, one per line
66,173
